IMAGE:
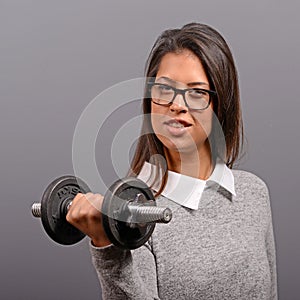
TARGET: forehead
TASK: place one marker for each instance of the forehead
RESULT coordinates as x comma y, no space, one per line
184,67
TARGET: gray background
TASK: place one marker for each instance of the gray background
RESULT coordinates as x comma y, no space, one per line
56,56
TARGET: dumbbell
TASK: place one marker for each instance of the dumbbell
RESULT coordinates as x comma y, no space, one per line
129,211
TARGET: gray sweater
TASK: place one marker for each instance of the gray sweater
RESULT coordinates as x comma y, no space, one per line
223,250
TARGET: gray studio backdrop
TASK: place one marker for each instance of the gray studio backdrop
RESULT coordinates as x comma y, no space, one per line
56,56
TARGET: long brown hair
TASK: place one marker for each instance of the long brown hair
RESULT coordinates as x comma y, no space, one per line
212,50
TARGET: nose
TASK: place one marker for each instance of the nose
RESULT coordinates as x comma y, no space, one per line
178,104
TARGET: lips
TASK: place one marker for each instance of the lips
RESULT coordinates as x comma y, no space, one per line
178,123
177,127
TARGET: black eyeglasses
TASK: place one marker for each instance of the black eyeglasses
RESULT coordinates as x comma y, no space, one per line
194,98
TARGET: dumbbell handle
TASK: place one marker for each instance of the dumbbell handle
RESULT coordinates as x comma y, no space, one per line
149,214
36,208
141,213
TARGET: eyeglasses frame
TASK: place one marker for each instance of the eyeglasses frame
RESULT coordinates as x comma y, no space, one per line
181,92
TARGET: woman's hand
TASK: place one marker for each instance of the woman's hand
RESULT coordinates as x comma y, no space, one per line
85,214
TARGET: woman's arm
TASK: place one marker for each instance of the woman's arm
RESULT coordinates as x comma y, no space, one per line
125,274
271,253
271,249
122,274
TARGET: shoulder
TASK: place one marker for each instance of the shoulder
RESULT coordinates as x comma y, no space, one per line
248,183
246,177
252,193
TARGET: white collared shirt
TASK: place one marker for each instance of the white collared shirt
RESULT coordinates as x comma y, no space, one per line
185,190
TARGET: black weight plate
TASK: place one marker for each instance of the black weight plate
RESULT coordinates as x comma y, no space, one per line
118,231
54,222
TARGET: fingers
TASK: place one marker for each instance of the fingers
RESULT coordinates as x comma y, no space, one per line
85,214
85,207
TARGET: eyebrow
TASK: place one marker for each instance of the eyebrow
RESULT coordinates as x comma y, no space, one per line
188,84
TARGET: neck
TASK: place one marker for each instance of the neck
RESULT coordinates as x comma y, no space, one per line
196,164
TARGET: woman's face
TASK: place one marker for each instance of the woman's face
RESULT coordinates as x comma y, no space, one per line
177,127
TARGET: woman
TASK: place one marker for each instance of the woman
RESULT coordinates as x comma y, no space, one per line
219,244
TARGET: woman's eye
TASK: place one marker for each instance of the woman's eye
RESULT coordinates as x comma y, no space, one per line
198,93
165,89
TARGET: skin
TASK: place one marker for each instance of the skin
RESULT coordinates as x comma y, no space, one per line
187,150
184,148
85,216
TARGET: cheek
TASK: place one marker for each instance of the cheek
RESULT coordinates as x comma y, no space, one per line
153,117
203,122
156,118
156,123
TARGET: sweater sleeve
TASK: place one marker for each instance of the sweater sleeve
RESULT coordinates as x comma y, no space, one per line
270,245
271,252
125,274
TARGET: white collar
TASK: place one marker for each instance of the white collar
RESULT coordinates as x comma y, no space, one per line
186,190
